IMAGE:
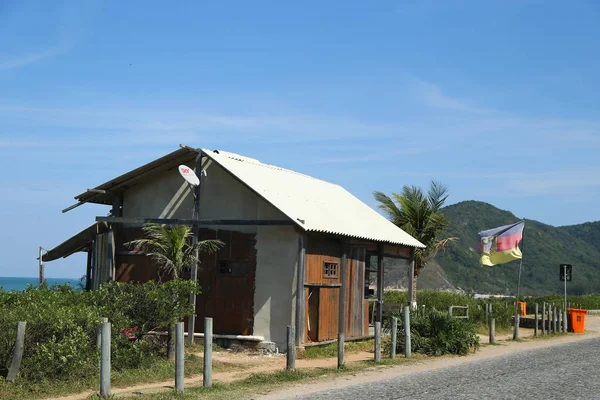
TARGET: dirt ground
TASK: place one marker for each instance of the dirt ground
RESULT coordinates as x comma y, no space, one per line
254,363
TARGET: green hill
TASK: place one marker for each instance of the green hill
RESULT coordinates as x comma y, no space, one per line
544,248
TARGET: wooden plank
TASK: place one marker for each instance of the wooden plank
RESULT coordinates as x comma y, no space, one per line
301,306
380,275
183,221
358,290
334,285
343,273
328,313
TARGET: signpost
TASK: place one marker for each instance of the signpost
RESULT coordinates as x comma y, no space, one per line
566,274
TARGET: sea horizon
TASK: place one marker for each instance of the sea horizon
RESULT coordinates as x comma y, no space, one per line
13,283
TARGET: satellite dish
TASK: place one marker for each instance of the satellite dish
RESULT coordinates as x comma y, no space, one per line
189,175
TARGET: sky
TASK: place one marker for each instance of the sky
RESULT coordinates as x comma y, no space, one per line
499,100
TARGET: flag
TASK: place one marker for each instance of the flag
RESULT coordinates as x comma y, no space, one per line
501,245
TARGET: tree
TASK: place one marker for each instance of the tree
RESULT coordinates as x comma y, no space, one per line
418,214
171,248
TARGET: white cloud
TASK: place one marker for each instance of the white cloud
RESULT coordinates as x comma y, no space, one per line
31,58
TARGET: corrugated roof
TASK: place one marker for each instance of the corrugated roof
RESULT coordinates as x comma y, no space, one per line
171,160
315,205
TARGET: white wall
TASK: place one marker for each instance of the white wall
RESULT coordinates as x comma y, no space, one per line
224,197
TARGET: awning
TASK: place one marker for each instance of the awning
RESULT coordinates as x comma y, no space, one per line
78,242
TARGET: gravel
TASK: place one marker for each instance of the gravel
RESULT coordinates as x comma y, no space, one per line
560,372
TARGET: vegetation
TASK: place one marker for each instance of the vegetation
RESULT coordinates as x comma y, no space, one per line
436,333
331,349
62,326
544,248
171,248
419,215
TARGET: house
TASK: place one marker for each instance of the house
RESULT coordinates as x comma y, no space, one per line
289,240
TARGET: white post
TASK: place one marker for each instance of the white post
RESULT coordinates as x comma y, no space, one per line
105,360
179,357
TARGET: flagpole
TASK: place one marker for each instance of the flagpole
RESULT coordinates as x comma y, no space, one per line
516,327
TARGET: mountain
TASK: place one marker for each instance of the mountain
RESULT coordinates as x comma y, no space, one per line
544,248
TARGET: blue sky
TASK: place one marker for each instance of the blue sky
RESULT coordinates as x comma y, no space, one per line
497,99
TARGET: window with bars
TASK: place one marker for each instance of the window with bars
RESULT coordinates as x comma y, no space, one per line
330,270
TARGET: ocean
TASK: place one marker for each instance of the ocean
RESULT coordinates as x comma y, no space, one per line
10,284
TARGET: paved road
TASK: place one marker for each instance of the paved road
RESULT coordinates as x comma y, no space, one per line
568,371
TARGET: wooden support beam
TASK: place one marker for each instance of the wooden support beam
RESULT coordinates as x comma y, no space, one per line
412,300
379,316
326,285
342,302
192,222
88,272
300,297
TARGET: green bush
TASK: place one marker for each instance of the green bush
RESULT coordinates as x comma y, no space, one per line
436,334
62,325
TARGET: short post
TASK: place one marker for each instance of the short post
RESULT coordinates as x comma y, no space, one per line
555,319
99,338
15,364
208,338
492,330
423,310
487,313
394,337
549,319
179,357
544,318
566,323
450,310
559,318
407,344
290,356
516,327
341,337
535,327
105,360
377,341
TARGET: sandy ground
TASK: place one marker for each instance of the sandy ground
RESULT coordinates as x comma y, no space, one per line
271,363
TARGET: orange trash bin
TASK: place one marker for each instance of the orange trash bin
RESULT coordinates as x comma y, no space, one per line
523,306
577,319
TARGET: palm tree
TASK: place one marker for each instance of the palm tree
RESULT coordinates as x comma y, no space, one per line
418,214
171,248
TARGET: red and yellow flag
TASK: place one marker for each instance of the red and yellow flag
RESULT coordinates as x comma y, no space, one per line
501,245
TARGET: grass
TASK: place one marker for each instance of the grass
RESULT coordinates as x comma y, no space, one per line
155,371
265,382
330,350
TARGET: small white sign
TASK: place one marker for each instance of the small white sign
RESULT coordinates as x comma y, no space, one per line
189,175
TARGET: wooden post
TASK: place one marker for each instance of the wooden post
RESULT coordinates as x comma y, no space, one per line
555,320
536,320
208,338
103,320
412,300
171,342
544,318
88,271
15,364
516,327
105,360
492,330
377,341
300,295
487,313
549,319
566,319
342,303
394,337
559,320
450,311
407,344
195,239
179,357
291,349
41,265
380,285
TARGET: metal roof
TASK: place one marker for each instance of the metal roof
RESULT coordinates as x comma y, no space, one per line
120,183
315,205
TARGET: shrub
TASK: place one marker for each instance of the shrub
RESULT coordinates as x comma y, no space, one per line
436,334
62,325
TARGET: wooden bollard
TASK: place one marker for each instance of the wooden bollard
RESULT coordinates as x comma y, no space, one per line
15,364
492,330
208,338
290,356
536,320
394,337
377,341
407,344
